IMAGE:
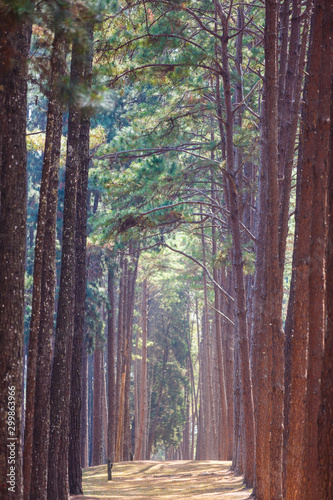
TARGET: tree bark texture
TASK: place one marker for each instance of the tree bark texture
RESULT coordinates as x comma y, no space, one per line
97,430
74,459
129,314
51,154
15,33
238,267
58,486
143,401
301,353
111,365
124,356
47,277
274,280
325,428
289,104
267,334
84,409
317,271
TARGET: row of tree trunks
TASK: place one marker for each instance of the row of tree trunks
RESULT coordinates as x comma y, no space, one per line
279,114
119,334
48,288
42,443
232,196
58,485
157,414
43,298
308,306
289,318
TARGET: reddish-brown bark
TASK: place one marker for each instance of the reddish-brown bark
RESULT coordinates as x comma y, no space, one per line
74,470
97,417
43,302
325,428
274,282
15,32
84,409
143,375
45,337
111,365
238,265
295,459
129,310
317,272
58,486
223,432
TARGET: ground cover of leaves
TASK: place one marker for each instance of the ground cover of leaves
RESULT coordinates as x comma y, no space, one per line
166,480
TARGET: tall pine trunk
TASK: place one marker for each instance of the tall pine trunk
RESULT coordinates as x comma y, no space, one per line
310,172
84,409
41,423
47,200
238,265
97,426
15,32
317,267
75,472
143,401
325,429
111,365
58,486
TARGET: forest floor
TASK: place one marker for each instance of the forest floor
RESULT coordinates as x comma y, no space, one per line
168,480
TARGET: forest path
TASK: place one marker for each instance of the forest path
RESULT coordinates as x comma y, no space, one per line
169,480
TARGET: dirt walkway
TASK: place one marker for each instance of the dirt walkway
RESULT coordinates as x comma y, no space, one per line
164,480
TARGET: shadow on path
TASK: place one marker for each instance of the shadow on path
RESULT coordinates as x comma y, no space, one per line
169,480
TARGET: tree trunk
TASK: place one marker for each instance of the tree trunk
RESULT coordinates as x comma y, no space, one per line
229,347
267,334
111,365
42,267
15,32
74,457
58,486
294,476
84,409
120,350
325,428
223,428
104,409
159,399
97,432
129,312
274,279
90,405
143,375
240,298
259,341
317,272
41,426
289,103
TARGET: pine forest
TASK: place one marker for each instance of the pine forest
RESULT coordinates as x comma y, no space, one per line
166,249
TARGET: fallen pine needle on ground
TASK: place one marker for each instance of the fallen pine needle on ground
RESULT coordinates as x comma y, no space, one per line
169,480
